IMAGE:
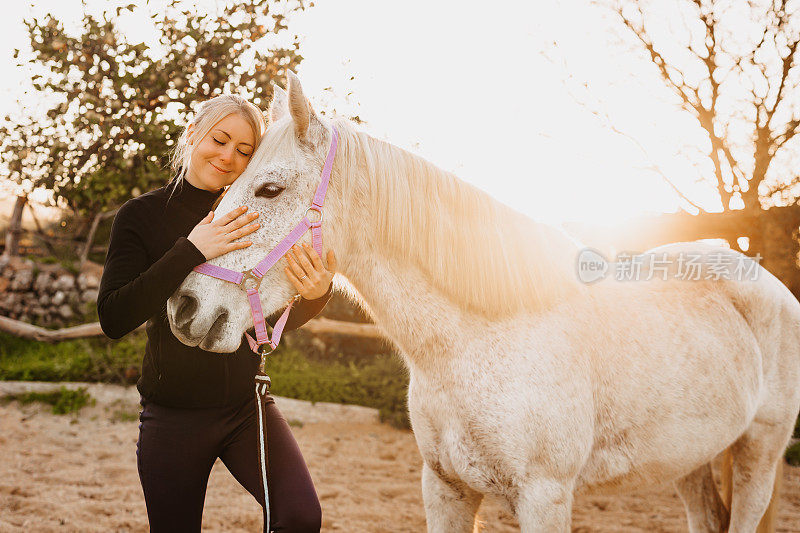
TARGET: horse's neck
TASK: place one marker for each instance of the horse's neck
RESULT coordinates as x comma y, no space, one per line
403,302
424,302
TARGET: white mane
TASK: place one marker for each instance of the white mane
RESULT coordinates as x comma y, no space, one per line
479,252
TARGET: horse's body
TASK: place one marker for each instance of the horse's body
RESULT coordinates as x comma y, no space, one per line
524,383
619,396
628,386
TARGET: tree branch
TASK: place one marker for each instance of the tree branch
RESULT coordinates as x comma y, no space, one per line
791,130
784,187
688,95
606,118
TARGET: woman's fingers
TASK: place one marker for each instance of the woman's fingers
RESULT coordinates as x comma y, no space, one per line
295,265
332,266
241,232
303,259
230,215
237,246
307,273
315,259
294,280
240,221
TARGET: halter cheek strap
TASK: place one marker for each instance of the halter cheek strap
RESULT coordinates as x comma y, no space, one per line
249,280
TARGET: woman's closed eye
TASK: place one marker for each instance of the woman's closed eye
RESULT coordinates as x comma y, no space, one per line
222,143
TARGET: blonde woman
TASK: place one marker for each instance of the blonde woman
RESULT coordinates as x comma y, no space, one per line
197,405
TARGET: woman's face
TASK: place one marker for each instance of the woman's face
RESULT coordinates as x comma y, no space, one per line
222,155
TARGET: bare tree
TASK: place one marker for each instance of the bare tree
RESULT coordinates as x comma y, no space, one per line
733,66
758,79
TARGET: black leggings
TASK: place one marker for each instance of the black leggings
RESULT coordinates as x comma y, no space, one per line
178,447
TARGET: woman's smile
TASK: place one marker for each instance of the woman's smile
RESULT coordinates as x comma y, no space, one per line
222,171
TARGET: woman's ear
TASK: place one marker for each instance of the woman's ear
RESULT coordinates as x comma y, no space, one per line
190,134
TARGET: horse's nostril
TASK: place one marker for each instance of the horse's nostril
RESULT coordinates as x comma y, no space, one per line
216,327
187,306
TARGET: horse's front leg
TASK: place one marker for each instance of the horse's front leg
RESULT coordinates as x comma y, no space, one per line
544,505
450,506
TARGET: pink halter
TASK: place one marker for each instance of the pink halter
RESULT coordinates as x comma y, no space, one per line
249,280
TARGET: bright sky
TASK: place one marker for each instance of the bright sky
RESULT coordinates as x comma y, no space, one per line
467,85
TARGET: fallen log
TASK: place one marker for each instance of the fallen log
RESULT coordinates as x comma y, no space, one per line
340,327
38,333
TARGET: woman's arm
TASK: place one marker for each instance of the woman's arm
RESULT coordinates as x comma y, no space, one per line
130,292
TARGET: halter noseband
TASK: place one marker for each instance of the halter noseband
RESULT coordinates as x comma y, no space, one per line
249,280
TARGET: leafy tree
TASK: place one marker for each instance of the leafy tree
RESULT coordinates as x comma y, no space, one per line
119,105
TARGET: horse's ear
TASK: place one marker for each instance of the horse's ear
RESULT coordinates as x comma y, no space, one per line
279,105
301,110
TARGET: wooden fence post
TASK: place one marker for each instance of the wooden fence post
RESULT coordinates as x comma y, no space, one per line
92,230
15,228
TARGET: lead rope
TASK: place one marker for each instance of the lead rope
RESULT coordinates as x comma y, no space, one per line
262,399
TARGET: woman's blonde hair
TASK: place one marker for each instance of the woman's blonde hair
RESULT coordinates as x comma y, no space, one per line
209,113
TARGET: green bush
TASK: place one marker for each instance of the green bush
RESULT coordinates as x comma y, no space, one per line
95,359
63,401
380,381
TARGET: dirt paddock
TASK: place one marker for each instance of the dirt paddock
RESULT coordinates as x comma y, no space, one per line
78,473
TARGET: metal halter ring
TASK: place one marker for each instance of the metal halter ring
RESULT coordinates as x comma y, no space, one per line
319,211
264,353
248,275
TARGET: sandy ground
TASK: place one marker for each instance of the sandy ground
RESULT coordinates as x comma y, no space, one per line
78,473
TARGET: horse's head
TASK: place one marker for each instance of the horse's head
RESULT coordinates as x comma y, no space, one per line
279,183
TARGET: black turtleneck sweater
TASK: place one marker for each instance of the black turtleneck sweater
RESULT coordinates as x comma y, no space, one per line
148,258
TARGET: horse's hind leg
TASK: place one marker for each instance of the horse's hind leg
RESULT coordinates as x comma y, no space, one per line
704,508
755,460
450,507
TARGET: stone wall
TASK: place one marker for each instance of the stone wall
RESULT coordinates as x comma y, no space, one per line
46,294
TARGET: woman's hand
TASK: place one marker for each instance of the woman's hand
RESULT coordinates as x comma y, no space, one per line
215,237
307,273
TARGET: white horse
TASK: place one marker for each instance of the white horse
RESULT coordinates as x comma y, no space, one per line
525,383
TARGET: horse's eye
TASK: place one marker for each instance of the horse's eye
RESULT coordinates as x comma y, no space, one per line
269,190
